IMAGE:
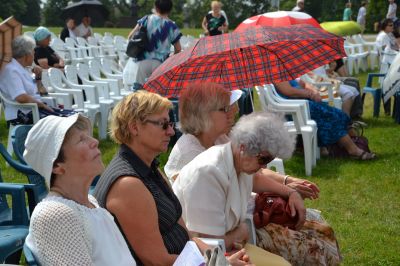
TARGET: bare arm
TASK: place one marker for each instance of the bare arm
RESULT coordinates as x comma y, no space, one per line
25,98
204,25
43,63
177,47
133,205
133,31
286,89
306,188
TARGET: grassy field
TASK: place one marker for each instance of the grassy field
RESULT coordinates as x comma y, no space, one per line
359,199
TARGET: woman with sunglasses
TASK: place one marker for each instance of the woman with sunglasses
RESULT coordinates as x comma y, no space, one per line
385,38
134,191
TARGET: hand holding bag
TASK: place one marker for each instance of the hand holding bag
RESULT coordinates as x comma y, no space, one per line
272,208
138,42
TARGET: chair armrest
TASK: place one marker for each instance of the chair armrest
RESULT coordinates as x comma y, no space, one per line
25,169
371,76
65,98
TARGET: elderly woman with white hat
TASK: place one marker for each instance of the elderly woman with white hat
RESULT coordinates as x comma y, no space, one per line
68,227
45,56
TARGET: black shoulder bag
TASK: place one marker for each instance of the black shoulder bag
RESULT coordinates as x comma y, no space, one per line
138,42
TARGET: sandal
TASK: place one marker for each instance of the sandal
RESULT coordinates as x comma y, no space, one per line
364,156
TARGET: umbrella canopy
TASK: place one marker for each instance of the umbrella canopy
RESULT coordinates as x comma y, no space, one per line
391,83
9,29
342,28
278,19
243,59
91,8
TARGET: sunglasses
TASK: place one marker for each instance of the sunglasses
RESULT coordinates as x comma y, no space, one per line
264,159
163,124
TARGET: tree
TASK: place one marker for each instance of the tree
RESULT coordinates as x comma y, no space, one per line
32,15
52,12
14,8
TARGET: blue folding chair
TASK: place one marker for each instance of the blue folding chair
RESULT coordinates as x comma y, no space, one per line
33,177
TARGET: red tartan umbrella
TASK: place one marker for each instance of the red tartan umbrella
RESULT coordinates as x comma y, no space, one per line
257,56
278,19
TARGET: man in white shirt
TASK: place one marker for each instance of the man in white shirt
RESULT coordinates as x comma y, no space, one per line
362,13
84,29
299,6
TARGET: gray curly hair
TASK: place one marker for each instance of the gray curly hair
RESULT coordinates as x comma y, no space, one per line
263,131
21,46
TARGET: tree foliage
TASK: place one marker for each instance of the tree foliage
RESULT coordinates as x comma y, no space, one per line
14,8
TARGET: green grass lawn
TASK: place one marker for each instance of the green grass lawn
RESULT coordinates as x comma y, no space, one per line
358,198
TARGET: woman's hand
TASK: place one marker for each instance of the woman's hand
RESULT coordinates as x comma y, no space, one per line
239,258
307,189
296,205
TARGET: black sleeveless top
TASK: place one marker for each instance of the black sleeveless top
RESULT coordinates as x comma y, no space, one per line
127,163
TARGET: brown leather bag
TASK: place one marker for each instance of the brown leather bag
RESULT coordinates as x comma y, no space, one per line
272,208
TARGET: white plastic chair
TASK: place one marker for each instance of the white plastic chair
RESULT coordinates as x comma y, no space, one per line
112,84
75,54
8,102
96,73
301,123
371,48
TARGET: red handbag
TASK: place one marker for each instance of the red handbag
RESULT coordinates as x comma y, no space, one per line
272,208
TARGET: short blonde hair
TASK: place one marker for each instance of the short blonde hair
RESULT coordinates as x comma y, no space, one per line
216,3
195,104
135,107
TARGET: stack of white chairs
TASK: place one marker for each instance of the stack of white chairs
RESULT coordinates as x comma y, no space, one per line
98,36
86,51
371,48
357,57
332,100
96,72
302,123
108,46
121,43
90,108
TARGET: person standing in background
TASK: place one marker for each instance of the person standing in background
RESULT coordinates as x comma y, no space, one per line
391,14
84,29
347,13
68,30
299,6
361,17
214,23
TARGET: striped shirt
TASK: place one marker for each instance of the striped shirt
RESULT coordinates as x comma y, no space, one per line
169,210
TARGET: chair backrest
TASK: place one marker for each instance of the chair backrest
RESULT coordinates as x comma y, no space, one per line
19,134
71,73
16,214
95,68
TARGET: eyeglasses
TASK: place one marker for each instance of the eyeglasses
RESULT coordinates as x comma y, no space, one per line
163,124
225,109
264,159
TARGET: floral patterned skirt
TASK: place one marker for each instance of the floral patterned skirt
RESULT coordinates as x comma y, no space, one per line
314,244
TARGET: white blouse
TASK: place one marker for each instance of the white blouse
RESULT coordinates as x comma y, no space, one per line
63,232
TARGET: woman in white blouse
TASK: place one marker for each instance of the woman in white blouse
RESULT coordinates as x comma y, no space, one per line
68,227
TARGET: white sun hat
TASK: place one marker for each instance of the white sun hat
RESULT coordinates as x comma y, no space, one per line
44,141
235,96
